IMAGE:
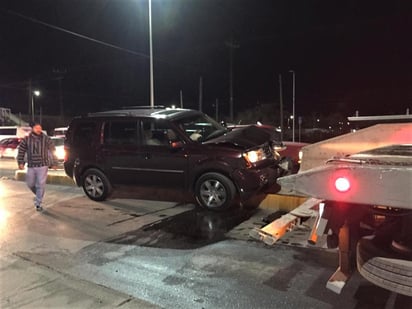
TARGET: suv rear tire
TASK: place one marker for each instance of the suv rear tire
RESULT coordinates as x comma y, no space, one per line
96,185
215,191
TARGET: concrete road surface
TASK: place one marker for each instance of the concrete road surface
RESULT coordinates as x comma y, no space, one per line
135,253
8,167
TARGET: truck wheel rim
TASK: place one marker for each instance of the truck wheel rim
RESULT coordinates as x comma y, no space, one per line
213,193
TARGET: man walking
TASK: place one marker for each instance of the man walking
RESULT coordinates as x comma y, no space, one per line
39,149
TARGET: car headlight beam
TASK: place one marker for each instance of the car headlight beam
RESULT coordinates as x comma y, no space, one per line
60,153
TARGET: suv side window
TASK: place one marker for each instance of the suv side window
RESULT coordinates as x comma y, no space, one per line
83,134
121,133
157,132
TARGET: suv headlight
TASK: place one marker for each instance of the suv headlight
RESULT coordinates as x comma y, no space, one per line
254,155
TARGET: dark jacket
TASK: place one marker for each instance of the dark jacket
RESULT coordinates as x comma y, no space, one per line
39,150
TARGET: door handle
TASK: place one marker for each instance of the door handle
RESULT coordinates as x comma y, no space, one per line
147,156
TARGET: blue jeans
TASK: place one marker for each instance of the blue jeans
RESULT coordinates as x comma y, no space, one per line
36,181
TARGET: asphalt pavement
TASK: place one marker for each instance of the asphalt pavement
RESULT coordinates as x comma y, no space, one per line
8,167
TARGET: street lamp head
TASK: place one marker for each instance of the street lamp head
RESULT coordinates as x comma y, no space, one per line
36,93
291,71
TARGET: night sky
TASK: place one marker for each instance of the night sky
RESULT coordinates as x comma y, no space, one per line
347,55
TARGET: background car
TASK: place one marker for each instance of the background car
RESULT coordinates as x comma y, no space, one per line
59,145
60,132
14,132
292,151
8,147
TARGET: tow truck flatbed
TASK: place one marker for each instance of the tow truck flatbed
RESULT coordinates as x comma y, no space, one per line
365,209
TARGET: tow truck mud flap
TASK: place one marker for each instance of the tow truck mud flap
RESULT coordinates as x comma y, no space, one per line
338,280
272,232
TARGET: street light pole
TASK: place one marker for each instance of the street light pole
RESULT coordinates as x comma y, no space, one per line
231,84
33,94
151,56
293,105
32,107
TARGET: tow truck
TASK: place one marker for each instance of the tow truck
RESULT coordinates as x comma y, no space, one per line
363,206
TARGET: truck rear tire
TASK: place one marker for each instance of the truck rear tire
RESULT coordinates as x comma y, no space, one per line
379,266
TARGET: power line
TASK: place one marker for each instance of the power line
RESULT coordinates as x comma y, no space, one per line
196,69
82,36
76,34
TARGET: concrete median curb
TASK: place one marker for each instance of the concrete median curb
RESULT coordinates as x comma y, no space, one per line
58,177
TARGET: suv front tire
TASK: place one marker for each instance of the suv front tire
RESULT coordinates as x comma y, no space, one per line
215,191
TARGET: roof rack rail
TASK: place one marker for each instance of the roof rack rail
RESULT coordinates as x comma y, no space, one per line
144,107
109,113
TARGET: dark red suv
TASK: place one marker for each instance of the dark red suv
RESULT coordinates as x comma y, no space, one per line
169,148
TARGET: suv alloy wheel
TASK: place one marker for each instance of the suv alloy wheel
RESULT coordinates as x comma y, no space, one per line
215,191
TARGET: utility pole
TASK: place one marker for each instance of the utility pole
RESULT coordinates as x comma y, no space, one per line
281,107
181,99
217,109
232,45
293,105
200,93
30,98
61,98
60,72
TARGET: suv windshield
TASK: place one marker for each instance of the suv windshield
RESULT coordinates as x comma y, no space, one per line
200,127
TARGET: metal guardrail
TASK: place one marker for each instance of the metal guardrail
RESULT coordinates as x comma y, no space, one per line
7,118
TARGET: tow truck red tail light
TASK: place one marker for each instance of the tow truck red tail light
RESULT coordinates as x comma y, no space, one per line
342,184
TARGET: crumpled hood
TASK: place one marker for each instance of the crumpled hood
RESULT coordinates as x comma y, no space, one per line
247,137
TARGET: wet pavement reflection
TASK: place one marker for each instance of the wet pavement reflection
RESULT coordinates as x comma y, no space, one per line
189,230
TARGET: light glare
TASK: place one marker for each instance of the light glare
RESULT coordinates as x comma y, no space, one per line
342,184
